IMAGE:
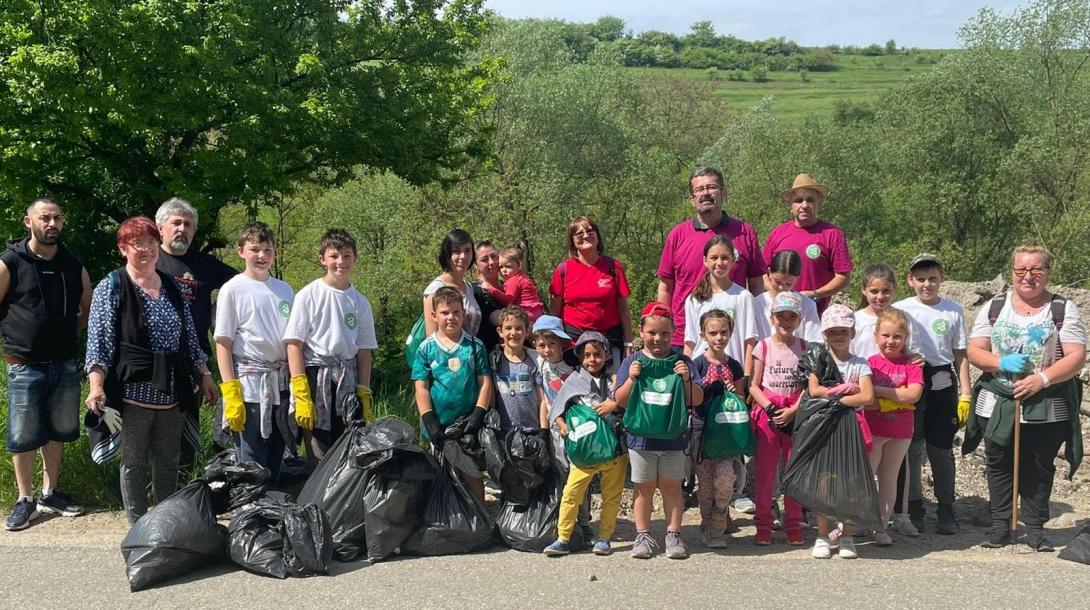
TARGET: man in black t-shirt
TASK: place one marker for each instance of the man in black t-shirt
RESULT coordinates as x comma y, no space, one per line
197,274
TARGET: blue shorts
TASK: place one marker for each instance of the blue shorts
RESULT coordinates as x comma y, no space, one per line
43,404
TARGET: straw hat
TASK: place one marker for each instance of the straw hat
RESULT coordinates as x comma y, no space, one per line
804,181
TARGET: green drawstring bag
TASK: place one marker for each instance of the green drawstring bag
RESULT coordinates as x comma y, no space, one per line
727,428
656,407
590,440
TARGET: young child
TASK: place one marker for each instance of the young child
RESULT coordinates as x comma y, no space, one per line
879,284
251,315
939,336
549,341
717,372
783,272
518,285
657,463
329,336
857,390
776,391
519,398
590,385
717,291
898,384
452,378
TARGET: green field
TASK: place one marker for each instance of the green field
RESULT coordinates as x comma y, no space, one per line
858,79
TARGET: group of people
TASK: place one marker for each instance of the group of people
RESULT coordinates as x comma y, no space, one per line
713,379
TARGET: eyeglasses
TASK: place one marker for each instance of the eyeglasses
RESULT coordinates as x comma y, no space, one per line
707,188
144,245
1034,272
585,234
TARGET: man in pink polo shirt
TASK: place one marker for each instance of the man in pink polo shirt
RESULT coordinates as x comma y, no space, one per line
682,262
826,262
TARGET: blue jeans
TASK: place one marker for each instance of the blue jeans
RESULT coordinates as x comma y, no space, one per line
252,447
43,404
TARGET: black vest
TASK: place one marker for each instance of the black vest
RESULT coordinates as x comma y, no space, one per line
41,308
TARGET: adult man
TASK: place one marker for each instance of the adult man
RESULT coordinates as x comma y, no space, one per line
826,262
682,262
197,274
45,294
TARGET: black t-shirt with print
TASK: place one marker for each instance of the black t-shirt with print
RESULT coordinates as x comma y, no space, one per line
197,274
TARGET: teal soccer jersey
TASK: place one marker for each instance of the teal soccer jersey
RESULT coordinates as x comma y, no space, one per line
452,374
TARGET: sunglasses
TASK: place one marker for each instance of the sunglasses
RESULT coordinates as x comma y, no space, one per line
1034,272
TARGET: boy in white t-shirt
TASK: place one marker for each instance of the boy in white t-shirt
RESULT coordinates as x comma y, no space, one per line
939,336
329,339
251,314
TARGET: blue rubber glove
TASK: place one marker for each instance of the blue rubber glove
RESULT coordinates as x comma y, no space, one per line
1014,363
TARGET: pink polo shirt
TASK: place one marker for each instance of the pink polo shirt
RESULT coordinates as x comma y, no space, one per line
683,261
822,248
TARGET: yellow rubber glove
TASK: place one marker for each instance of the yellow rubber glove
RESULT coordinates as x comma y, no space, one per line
366,399
963,410
304,404
233,409
886,405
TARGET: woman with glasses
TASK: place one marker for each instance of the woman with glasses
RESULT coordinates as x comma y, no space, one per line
590,291
143,359
1030,344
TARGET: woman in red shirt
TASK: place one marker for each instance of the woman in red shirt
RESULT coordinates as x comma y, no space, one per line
589,289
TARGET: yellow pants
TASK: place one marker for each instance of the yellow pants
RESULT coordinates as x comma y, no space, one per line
575,489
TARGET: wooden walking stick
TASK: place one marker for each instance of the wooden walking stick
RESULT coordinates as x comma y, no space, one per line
1017,464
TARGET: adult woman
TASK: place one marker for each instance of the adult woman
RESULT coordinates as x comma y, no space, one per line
590,291
1030,344
455,258
488,290
143,358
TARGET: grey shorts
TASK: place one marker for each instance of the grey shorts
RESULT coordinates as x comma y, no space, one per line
650,466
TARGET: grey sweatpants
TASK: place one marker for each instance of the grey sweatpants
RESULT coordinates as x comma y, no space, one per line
155,435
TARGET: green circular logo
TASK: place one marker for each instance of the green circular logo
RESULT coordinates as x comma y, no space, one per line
941,327
350,320
659,385
284,308
813,251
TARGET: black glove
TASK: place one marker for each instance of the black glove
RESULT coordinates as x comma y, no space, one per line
476,420
434,429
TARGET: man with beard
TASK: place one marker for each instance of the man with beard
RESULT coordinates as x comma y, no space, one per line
45,294
197,274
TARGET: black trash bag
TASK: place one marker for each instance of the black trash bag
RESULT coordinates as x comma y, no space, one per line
1079,547
471,443
177,536
491,441
454,522
243,483
399,475
828,472
336,486
529,457
281,539
532,527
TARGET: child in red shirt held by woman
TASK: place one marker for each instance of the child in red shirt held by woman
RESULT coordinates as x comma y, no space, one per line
518,285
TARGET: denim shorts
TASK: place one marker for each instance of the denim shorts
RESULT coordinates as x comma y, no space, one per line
43,404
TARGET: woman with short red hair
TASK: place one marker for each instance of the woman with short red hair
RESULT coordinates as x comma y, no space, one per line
144,360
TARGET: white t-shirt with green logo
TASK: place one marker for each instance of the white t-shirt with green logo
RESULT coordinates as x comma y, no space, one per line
331,322
253,315
937,330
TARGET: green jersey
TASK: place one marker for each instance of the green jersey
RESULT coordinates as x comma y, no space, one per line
452,374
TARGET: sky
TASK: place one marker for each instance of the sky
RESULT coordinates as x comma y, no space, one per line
927,24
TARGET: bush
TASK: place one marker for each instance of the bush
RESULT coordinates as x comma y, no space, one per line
713,73
758,74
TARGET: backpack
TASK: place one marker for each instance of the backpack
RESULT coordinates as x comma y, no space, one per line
590,440
656,407
1057,307
727,429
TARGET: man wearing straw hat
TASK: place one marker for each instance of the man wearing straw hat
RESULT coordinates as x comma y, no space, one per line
826,262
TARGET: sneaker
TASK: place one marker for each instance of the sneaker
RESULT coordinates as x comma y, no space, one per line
947,524
823,549
882,539
745,505
717,523
902,524
558,548
59,503
601,547
847,548
998,537
24,511
1036,540
675,548
917,514
763,537
795,538
644,547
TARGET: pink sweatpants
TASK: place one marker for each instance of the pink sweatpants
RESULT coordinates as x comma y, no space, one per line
771,446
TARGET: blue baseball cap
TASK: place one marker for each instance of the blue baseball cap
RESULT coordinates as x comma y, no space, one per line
551,324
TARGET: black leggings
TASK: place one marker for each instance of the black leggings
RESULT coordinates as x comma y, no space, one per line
1040,444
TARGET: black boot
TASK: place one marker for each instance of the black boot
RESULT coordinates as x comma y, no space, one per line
917,514
998,537
1036,540
947,524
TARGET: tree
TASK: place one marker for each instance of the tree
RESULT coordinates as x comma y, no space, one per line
112,106
702,34
891,47
608,28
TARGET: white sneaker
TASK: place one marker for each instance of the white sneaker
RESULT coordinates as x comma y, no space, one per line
847,548
903,525
745,505
882,539
822,549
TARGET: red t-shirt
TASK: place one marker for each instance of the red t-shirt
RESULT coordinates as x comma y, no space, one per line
523,292
683,261
590,293
822,248
893,374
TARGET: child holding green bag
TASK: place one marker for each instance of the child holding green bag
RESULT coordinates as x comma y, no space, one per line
583,412
656,389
